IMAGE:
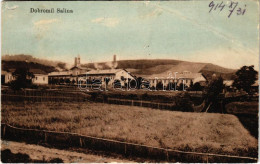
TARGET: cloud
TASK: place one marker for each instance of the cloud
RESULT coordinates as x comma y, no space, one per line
41,28
109,22
45,22
150,13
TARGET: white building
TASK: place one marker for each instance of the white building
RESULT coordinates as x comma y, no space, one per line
108,76
6,77
40,77
184,77
70,76
89,76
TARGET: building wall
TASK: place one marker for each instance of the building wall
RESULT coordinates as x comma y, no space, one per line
40,79
199,79
101,77
7,77
165,82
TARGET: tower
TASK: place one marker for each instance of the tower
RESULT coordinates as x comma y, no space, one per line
114,62
77,61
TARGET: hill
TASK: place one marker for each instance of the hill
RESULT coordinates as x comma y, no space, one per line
139,68
31,59
144,68
12,65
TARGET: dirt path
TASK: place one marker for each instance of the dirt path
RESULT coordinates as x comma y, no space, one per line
37,152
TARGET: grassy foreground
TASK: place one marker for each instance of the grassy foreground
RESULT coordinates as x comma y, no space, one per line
203,132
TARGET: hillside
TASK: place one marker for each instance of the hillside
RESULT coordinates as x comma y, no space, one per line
139,68
12,65
31,59
144,68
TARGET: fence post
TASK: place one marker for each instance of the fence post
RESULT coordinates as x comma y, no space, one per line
45,137
125,149
80,141
4,129
167,155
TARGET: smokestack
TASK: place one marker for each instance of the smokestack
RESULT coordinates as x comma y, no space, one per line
114,62
76,62
114,58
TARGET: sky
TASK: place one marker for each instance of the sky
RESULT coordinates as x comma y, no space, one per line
182,30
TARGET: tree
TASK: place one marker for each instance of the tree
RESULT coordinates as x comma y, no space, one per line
170,86
197,87
54,81
117,84
74,81
23,78
213,91
182,87
245,77
107,79
67,81
132,83
61,81
159,86
139,82
183,102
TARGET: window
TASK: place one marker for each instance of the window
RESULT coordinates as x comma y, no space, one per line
36,78
43,78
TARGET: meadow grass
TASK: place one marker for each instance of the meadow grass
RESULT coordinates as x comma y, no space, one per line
202,132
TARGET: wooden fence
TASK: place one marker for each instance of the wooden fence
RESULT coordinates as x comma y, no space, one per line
140,103
74,140
44,96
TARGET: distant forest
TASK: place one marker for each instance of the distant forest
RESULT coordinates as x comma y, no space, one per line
7,65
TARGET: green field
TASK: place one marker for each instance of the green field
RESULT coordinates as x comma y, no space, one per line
202,132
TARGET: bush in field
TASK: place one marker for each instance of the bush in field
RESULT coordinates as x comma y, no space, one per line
184,103
94,95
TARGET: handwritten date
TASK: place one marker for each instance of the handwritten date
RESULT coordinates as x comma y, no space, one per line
231,6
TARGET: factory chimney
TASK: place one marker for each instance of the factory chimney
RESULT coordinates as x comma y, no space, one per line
114,59
114,62
77,61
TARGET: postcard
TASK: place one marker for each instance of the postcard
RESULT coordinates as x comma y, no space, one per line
129,81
